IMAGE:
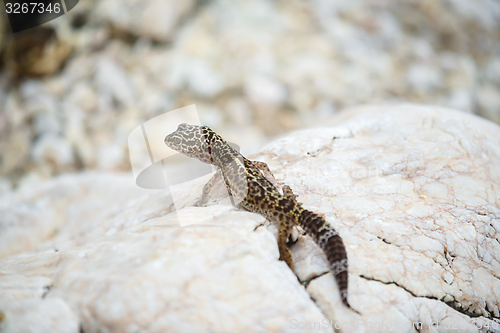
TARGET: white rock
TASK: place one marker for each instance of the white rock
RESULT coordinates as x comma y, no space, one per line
110,157
46,123
493,70
308,59
5,186
417,208
484,12
51,315
113,83
262,90
150,272
202,78
157,19
15,151
489,99
58,211
424,78
52,149
409,155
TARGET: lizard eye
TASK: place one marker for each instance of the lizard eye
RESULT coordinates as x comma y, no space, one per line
177,140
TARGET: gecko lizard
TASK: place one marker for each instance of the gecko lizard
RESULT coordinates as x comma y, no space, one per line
252,184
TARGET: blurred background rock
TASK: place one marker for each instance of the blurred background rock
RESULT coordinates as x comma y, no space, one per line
73,89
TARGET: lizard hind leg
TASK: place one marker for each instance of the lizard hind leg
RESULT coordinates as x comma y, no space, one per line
284,231
288,193
264,168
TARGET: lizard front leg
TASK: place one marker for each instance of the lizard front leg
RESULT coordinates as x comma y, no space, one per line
217,177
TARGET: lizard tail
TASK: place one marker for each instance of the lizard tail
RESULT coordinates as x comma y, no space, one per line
332,245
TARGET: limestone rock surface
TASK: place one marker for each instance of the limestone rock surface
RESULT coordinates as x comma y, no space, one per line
412,190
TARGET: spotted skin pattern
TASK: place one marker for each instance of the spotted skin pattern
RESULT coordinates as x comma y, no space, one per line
253,186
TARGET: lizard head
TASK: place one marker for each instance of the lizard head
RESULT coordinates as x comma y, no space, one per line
193,141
